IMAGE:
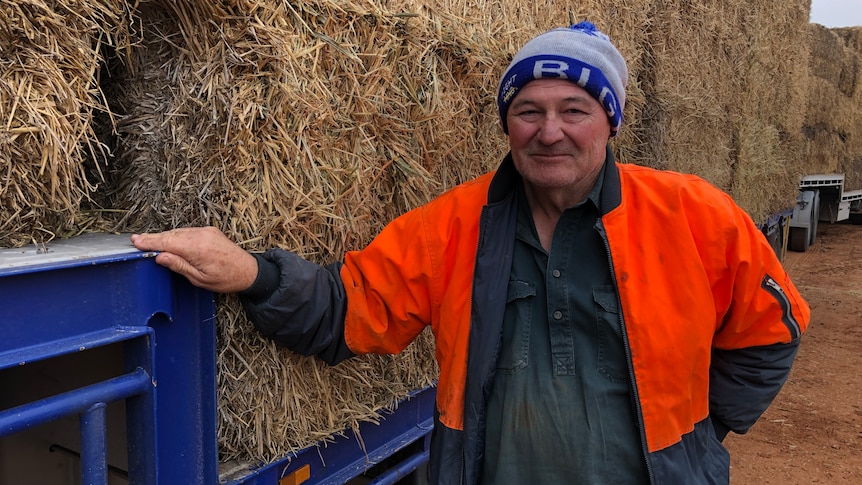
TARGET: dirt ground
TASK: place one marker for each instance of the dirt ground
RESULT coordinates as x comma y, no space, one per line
812,433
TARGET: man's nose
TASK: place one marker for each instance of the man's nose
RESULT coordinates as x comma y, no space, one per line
551,130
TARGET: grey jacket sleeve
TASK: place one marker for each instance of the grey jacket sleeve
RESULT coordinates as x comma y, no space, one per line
299,304
744,382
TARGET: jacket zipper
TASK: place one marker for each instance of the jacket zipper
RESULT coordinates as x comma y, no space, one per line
773,288
635,395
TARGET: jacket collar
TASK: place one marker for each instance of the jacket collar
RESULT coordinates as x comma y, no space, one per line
611,192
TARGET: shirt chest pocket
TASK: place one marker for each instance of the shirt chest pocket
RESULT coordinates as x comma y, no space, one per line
515,342
612,362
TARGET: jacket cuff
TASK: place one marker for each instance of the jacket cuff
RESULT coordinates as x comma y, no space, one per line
266,282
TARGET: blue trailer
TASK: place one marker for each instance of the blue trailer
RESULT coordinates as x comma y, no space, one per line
107,376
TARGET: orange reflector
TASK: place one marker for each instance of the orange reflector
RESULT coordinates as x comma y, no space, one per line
296,477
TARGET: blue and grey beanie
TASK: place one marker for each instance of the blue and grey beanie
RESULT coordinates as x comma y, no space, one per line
580,53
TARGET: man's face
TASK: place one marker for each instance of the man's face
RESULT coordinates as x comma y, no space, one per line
557,134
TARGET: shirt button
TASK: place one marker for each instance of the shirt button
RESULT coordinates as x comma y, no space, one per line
556,273
558,315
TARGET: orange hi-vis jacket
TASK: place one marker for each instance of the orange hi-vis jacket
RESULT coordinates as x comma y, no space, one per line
711,320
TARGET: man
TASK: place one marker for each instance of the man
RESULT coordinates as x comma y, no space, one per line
595,322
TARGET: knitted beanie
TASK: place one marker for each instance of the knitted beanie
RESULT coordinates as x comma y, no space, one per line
579,53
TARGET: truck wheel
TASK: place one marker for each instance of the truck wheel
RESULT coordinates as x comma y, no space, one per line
802,237
799,239
815,216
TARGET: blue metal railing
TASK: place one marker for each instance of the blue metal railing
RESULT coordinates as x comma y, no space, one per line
79,401
94,291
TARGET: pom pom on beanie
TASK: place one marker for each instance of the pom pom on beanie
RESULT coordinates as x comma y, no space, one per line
581,54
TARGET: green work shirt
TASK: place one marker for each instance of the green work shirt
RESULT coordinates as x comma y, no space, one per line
561,409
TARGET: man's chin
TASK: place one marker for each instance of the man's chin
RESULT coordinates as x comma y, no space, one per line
548,182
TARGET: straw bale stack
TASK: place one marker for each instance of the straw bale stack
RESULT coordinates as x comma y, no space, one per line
306,127
714,74
769,134
833,125
851,163
309,125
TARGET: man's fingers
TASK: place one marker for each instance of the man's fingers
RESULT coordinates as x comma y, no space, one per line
204,255
160,241
144,242
177,241
174,263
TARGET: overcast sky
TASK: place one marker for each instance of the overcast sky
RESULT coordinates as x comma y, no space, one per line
837,13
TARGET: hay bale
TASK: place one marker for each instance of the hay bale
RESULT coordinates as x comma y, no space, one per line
694,55
832,60
49,97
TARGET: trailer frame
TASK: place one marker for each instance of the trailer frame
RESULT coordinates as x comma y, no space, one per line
97,298
822,198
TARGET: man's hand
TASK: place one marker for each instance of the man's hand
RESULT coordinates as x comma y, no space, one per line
203,255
